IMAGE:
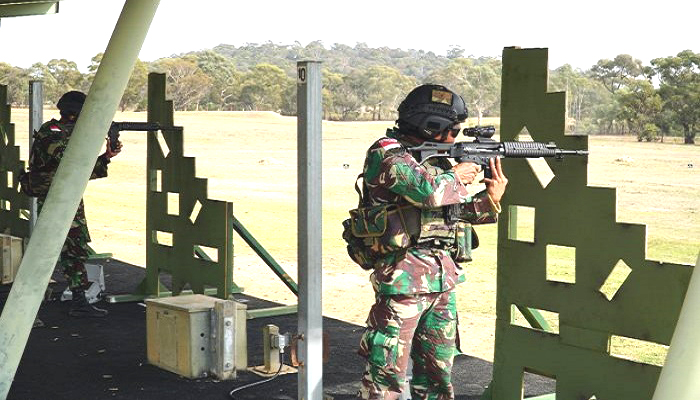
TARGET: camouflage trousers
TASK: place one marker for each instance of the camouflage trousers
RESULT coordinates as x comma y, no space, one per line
422,326
74,252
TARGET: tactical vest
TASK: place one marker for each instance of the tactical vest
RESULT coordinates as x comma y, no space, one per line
374,232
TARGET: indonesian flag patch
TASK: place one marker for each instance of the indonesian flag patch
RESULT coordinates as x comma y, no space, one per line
388,144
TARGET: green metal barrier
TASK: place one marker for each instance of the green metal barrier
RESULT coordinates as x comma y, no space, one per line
14,204
178,239
594,304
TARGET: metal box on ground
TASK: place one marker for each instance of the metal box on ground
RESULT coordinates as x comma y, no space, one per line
11,257
196,335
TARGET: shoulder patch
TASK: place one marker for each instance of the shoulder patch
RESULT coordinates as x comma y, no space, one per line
388,144
55,128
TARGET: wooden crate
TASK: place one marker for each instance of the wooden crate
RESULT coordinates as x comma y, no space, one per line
12,250
196,335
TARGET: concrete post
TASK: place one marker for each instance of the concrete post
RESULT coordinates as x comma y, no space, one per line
69,184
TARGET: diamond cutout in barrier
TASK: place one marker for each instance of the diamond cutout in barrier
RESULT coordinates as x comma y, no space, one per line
195,211
163,144
615,280
539,166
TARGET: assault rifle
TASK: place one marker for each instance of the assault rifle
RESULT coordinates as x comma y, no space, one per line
483,148
117,127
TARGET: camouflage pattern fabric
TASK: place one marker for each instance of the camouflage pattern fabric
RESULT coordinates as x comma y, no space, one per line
393,176
50,142
423,326
74,252
415,312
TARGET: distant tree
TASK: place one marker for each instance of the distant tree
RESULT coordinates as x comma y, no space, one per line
67,75
583,95
346,99
263,86
455,51
479,83
382,89
616,73
135,93
639,106
187,83
225,79
52,89
331,85
17,81
679,88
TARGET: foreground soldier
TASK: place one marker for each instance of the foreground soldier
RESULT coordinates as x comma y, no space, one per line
415,311
50,142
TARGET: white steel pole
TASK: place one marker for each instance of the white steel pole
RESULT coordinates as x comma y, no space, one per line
36,118
309,114
679,378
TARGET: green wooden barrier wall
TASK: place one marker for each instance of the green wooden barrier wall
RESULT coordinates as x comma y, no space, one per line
604,290
14,205
180,219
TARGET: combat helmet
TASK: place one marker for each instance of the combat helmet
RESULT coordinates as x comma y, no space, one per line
71,103
428,110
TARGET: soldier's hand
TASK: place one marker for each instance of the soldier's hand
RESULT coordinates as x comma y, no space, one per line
111,153
466,172
496,185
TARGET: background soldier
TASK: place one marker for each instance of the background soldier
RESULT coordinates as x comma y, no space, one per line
415,311
50,142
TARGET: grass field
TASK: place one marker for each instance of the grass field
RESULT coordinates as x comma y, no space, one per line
250,160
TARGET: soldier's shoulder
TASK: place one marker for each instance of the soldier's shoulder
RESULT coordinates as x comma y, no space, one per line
49,129
51,126
388,146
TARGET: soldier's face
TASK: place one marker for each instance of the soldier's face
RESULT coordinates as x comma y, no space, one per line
452,133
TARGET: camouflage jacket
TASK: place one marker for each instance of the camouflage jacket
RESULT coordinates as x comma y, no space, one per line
50,142
393,176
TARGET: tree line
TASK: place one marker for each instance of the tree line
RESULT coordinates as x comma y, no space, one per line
618,96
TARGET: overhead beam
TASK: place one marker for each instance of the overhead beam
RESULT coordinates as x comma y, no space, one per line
69,184
23,9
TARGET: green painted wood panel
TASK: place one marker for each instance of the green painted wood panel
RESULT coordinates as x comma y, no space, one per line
568,213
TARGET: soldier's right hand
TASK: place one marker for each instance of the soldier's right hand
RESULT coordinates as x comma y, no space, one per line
109,152
466,172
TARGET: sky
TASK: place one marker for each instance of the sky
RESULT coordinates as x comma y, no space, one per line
576,33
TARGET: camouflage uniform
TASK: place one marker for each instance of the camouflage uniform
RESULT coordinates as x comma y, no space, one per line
50,142
415,312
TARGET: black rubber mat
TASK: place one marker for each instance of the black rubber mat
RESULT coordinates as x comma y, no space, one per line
85,359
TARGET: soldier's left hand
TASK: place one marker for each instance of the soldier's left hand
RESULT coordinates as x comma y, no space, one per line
496,185
112,153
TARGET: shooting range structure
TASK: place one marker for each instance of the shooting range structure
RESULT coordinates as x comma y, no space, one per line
580,278
192,243
14,204
188,235
69,184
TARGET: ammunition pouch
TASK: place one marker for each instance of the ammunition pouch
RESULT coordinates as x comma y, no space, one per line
465,240
373,232
34,184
